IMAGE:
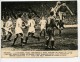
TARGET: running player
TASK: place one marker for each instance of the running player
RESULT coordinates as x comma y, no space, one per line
18,30
7,28
31,28
42,25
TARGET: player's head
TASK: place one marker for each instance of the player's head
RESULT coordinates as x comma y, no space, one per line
19,15
2,18
29,16
51,13
9,18
58,3
43,17
63,4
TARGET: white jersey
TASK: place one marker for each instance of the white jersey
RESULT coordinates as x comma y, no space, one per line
43,24
55,9
2,23
18,28
31,24
8,26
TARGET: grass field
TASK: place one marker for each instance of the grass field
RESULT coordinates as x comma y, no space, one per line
67,41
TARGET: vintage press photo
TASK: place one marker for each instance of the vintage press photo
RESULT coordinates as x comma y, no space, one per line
39,29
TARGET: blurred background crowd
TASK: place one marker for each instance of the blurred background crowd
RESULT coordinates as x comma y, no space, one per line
37,9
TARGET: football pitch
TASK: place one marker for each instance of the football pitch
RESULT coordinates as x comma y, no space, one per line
67,41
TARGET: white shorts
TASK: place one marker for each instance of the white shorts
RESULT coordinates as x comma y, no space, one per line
18,30
31,29
43,27
7,30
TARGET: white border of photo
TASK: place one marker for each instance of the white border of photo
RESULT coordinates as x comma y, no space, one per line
75,59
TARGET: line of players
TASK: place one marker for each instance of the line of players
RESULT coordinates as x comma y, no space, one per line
59,9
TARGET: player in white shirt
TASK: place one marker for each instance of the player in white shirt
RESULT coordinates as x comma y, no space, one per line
31,25
18,30
2,23
55,9
43,25
31,28
7,28
2,28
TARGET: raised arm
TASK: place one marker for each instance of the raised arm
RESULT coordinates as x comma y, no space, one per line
69,9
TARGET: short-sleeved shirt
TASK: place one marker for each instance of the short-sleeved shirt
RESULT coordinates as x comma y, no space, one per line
62,9
9,24
31,23
19,22
42,22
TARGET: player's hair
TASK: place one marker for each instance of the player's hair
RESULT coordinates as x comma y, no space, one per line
29,16
19,14
7,17
51,13
58,2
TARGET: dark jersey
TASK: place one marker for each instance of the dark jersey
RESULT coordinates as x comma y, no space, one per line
51,22
61,24
62,9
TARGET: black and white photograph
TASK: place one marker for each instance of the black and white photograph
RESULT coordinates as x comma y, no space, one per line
39,26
